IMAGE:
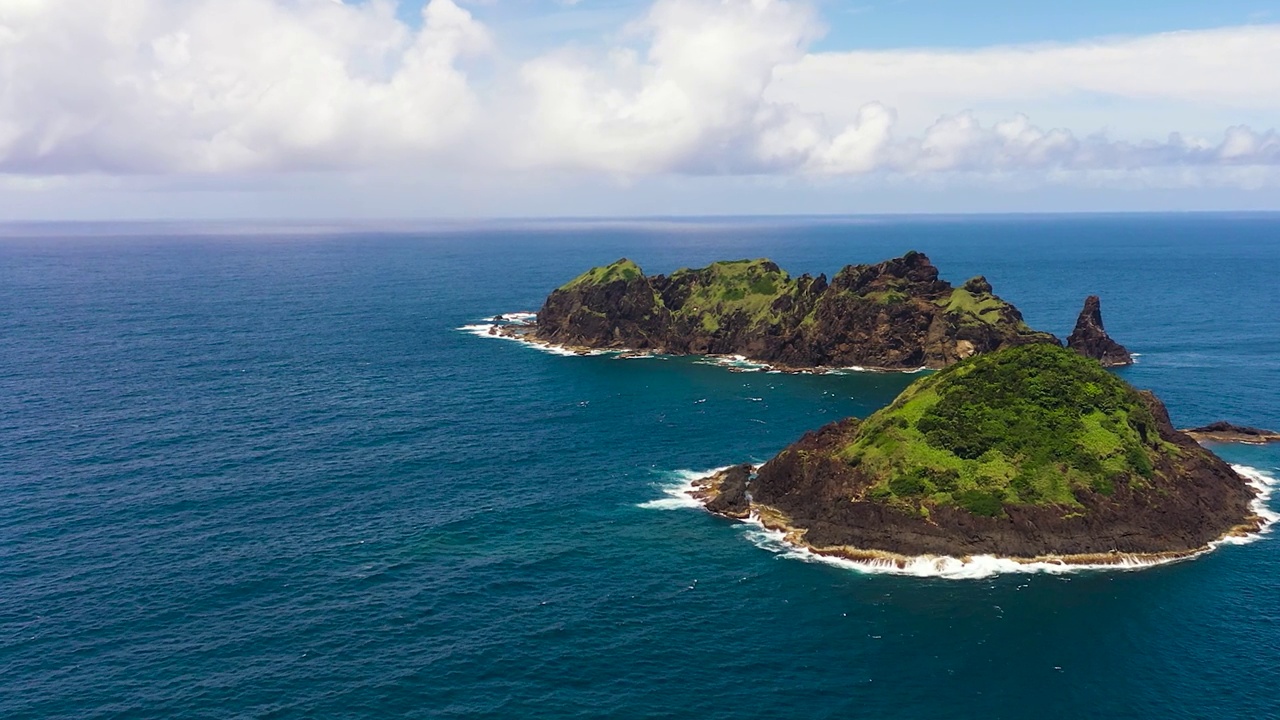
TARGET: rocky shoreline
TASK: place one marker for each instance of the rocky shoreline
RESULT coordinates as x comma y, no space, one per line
528,334
723,493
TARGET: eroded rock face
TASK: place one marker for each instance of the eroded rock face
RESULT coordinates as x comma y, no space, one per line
896,314
1091,340
730,496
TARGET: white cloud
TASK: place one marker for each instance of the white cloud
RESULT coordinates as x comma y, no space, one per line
227,85
691,101
1225,67
693,87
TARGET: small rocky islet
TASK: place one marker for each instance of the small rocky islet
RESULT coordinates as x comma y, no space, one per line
1017,447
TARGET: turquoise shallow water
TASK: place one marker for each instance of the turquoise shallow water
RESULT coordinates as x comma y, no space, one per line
261,473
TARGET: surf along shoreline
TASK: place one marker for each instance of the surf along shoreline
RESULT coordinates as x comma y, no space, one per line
704,488
520,327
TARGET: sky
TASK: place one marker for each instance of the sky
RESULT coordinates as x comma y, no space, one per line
324,109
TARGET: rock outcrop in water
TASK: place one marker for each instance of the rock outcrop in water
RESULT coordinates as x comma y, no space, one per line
728,495
1091,340
1225,432
896,314
1030,452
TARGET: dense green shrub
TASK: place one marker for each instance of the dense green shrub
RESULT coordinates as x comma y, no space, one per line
981,502
907,485
1031,425
1031,403
763,286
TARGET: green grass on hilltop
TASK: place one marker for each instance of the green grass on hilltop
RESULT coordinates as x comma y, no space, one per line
1027,425
747,286
974,308
752,287
623,269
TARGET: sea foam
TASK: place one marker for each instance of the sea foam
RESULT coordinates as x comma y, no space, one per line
677,496
485,329
736,363
678,491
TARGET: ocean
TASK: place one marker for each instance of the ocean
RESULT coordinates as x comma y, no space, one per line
266,472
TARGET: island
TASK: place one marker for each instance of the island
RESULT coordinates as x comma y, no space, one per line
1033,453
894,315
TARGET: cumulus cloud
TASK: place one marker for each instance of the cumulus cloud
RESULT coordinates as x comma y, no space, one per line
692,87
692,100
213,86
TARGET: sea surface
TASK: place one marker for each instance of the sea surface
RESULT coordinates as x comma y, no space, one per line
261,472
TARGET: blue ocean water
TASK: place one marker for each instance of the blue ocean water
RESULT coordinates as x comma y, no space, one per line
259,472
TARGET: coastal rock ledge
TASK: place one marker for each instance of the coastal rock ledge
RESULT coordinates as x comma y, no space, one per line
1225,432
1032,453
895,315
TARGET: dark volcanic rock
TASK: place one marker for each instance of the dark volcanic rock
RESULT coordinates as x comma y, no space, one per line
1091,340
896,314
731,496
978,285
1226,432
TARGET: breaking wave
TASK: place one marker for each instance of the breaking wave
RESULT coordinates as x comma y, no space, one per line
736,363
677,497
677,493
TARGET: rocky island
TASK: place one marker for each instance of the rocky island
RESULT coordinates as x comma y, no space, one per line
1033,453
894,315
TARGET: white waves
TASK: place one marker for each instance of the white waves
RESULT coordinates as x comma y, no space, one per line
491,328
737,363
677,495
937,566
1265,484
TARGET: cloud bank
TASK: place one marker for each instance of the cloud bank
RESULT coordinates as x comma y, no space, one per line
692,87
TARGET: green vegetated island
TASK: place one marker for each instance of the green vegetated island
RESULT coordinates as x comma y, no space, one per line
894,315
1017,447
1033,453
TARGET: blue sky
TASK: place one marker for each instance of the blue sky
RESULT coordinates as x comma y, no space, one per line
901,23
975,23
494,108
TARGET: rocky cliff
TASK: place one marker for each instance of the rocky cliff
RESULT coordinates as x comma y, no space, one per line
1091,340
897,314
1026,453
